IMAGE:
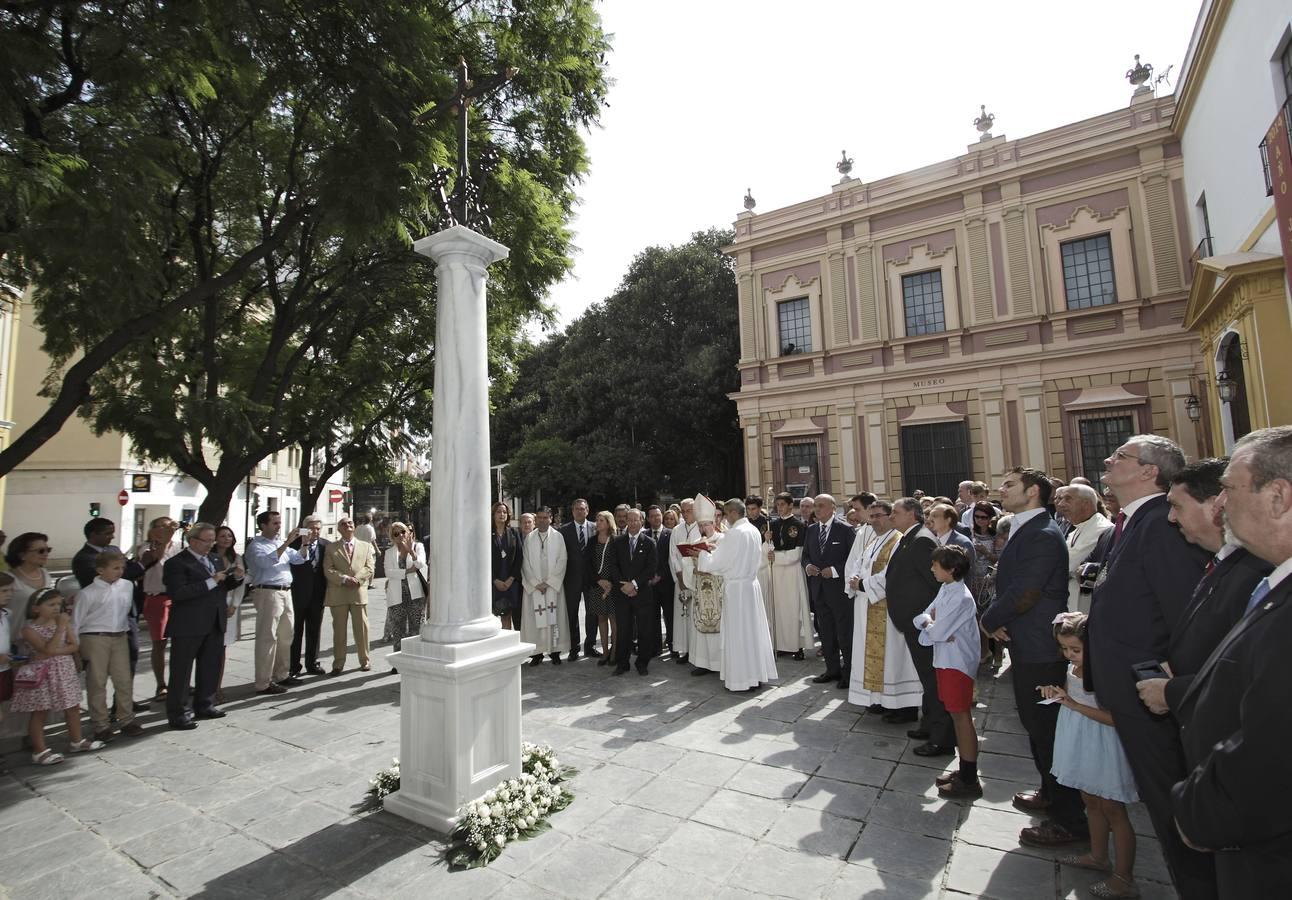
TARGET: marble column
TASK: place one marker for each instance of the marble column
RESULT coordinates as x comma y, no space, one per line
460,678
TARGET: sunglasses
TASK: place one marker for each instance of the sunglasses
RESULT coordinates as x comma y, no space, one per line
982,515
43,551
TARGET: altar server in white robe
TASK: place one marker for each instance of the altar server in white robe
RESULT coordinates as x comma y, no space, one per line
883,674
542,573
704,648
765,576
792,621
747,657
687,531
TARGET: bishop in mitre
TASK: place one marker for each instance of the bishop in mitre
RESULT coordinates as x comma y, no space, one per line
792,618
883,675
542,574
747,657
687,531
704,618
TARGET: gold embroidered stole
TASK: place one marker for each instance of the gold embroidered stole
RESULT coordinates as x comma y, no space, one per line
877,623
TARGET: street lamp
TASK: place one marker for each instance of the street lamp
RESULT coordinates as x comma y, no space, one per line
1193,408
1226,388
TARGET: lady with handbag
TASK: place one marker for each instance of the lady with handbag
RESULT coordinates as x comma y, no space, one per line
407,590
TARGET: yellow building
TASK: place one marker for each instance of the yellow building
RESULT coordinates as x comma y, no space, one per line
1232,118
10,315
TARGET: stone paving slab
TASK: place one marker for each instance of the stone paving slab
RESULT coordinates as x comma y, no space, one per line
683,789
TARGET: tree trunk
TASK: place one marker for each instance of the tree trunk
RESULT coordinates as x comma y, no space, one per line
221,488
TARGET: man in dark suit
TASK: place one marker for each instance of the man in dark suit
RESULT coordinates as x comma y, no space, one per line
309,585
636,563
99,533
1149,575
197,584
824,556
1031,589
662,584
1221,597
1233,715
911,587
579,535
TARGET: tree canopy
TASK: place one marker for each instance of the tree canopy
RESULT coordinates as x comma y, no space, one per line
630,401
213,202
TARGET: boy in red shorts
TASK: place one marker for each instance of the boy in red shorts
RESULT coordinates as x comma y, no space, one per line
950,627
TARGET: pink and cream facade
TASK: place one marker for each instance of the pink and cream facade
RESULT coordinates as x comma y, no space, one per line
1020,304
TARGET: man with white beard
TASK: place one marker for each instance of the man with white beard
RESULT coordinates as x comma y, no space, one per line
542,610
747,657
686,532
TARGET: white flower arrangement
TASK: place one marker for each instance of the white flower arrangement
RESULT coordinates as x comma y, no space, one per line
514,810
385,782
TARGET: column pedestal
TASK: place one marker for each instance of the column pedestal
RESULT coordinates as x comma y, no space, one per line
459,728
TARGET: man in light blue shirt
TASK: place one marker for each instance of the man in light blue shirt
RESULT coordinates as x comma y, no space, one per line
269,565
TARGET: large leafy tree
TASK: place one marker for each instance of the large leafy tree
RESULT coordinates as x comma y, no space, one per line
213,202
630,401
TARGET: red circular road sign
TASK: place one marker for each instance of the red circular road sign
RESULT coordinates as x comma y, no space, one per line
335,496
124,497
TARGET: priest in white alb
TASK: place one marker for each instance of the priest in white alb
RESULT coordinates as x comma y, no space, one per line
883,675
687,531
542,574
747,657
704,618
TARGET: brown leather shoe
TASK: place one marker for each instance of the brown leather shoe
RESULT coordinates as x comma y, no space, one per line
1051,834
1030,801
133,729
959,789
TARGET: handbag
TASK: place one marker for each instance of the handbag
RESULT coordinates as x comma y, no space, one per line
426,588
31,675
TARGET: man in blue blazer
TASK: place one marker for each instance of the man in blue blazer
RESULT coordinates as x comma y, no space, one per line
1149,576
1031,589
829,541
1233,714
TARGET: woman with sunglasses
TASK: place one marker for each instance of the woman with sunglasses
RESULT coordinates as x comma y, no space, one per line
27,556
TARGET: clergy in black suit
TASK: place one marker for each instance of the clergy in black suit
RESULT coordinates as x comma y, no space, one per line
198,585
825,553
1234,714
662,583
1031,589
635,564
1148,578
578,534
309,585
911,587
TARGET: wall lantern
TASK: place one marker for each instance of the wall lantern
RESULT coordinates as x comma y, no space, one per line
1193,408
1226,388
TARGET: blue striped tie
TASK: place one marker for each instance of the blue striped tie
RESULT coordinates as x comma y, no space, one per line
1262,591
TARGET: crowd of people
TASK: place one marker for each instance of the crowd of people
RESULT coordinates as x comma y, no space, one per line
1143,627
187,587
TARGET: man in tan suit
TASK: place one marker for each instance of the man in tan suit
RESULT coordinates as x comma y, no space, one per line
348,567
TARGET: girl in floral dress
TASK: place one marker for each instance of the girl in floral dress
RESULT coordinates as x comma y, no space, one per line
48,681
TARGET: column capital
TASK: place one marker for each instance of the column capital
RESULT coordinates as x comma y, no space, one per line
460,241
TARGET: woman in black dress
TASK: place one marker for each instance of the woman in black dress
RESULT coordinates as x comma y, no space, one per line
504,551
604,576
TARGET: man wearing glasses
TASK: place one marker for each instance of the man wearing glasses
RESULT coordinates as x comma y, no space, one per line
197,582
1148,578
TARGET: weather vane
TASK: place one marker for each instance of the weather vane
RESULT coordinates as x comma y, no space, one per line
465,204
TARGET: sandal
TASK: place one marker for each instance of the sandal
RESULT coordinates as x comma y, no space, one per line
47,757
85,745
1085,861
1103,889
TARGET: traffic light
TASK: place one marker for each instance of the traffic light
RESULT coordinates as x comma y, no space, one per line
94,510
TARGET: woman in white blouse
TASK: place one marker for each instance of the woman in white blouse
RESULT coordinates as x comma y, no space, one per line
406,584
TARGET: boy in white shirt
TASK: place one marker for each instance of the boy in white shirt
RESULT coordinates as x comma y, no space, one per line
100,620
950,627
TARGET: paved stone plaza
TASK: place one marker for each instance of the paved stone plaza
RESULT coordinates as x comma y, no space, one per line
684,790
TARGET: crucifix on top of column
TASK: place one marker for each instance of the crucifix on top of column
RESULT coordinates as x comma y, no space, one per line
465,204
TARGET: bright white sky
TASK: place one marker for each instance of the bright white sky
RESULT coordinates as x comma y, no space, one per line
714,96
